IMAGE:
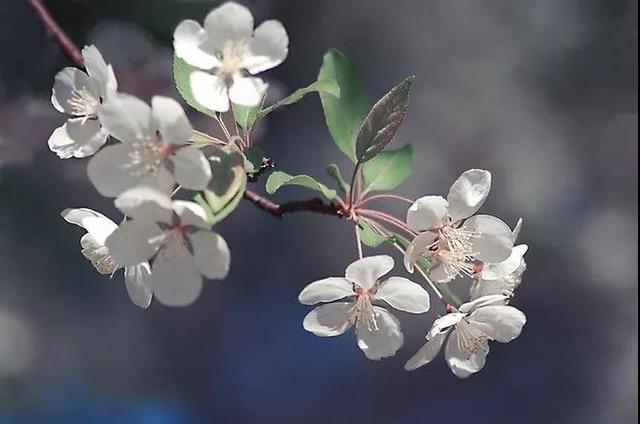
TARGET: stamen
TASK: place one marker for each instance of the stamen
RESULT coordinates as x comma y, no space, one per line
362,311
231,57
471,339
454,250
146,157
83,104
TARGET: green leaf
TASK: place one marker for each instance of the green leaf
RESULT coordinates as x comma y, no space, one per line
368,235
383,121
334,172
322,86
214,218
388,169
181,74
344,114
227,184
279,179
245,116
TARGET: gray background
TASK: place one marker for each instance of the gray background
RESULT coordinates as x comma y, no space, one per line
542,93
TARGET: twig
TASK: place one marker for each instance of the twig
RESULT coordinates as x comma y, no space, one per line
358,241
315,205
66,45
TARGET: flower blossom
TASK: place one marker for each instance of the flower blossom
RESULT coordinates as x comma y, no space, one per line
378,332
467,332
154,149
504,277
99,227
231,52
451,238
81,95
177,236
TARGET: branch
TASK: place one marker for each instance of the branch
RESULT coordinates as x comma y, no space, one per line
51,26
315,205
74,54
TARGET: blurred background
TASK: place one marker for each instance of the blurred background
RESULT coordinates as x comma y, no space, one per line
542,93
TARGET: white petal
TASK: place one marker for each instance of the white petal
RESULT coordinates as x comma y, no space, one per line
127,118
99,71
426,353
426,213
137,280
66,81
190,45
191,168
462,363
99,226
444,324
492,271
499,322
328,320
326,290
439,273
191,214
170,119
229,22
145,204
404,295
365,272
481,288
77,139
481,302
419,245
175,279
516,229
247,91
161,180
108,170
494,240
383,341
134,242
98,254
268,48
468,193
211,254
210,91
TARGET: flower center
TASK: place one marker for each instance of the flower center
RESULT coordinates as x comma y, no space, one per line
455,251
231,57
147,157
363,312
83,104
172,242
101,259
471,339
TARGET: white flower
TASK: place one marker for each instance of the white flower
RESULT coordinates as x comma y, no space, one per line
178,235
467,332
450,240
378,331
81,95
229,48
99,227
503,277
154,149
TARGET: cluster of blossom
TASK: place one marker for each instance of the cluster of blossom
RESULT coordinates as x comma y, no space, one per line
455,242
166,245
